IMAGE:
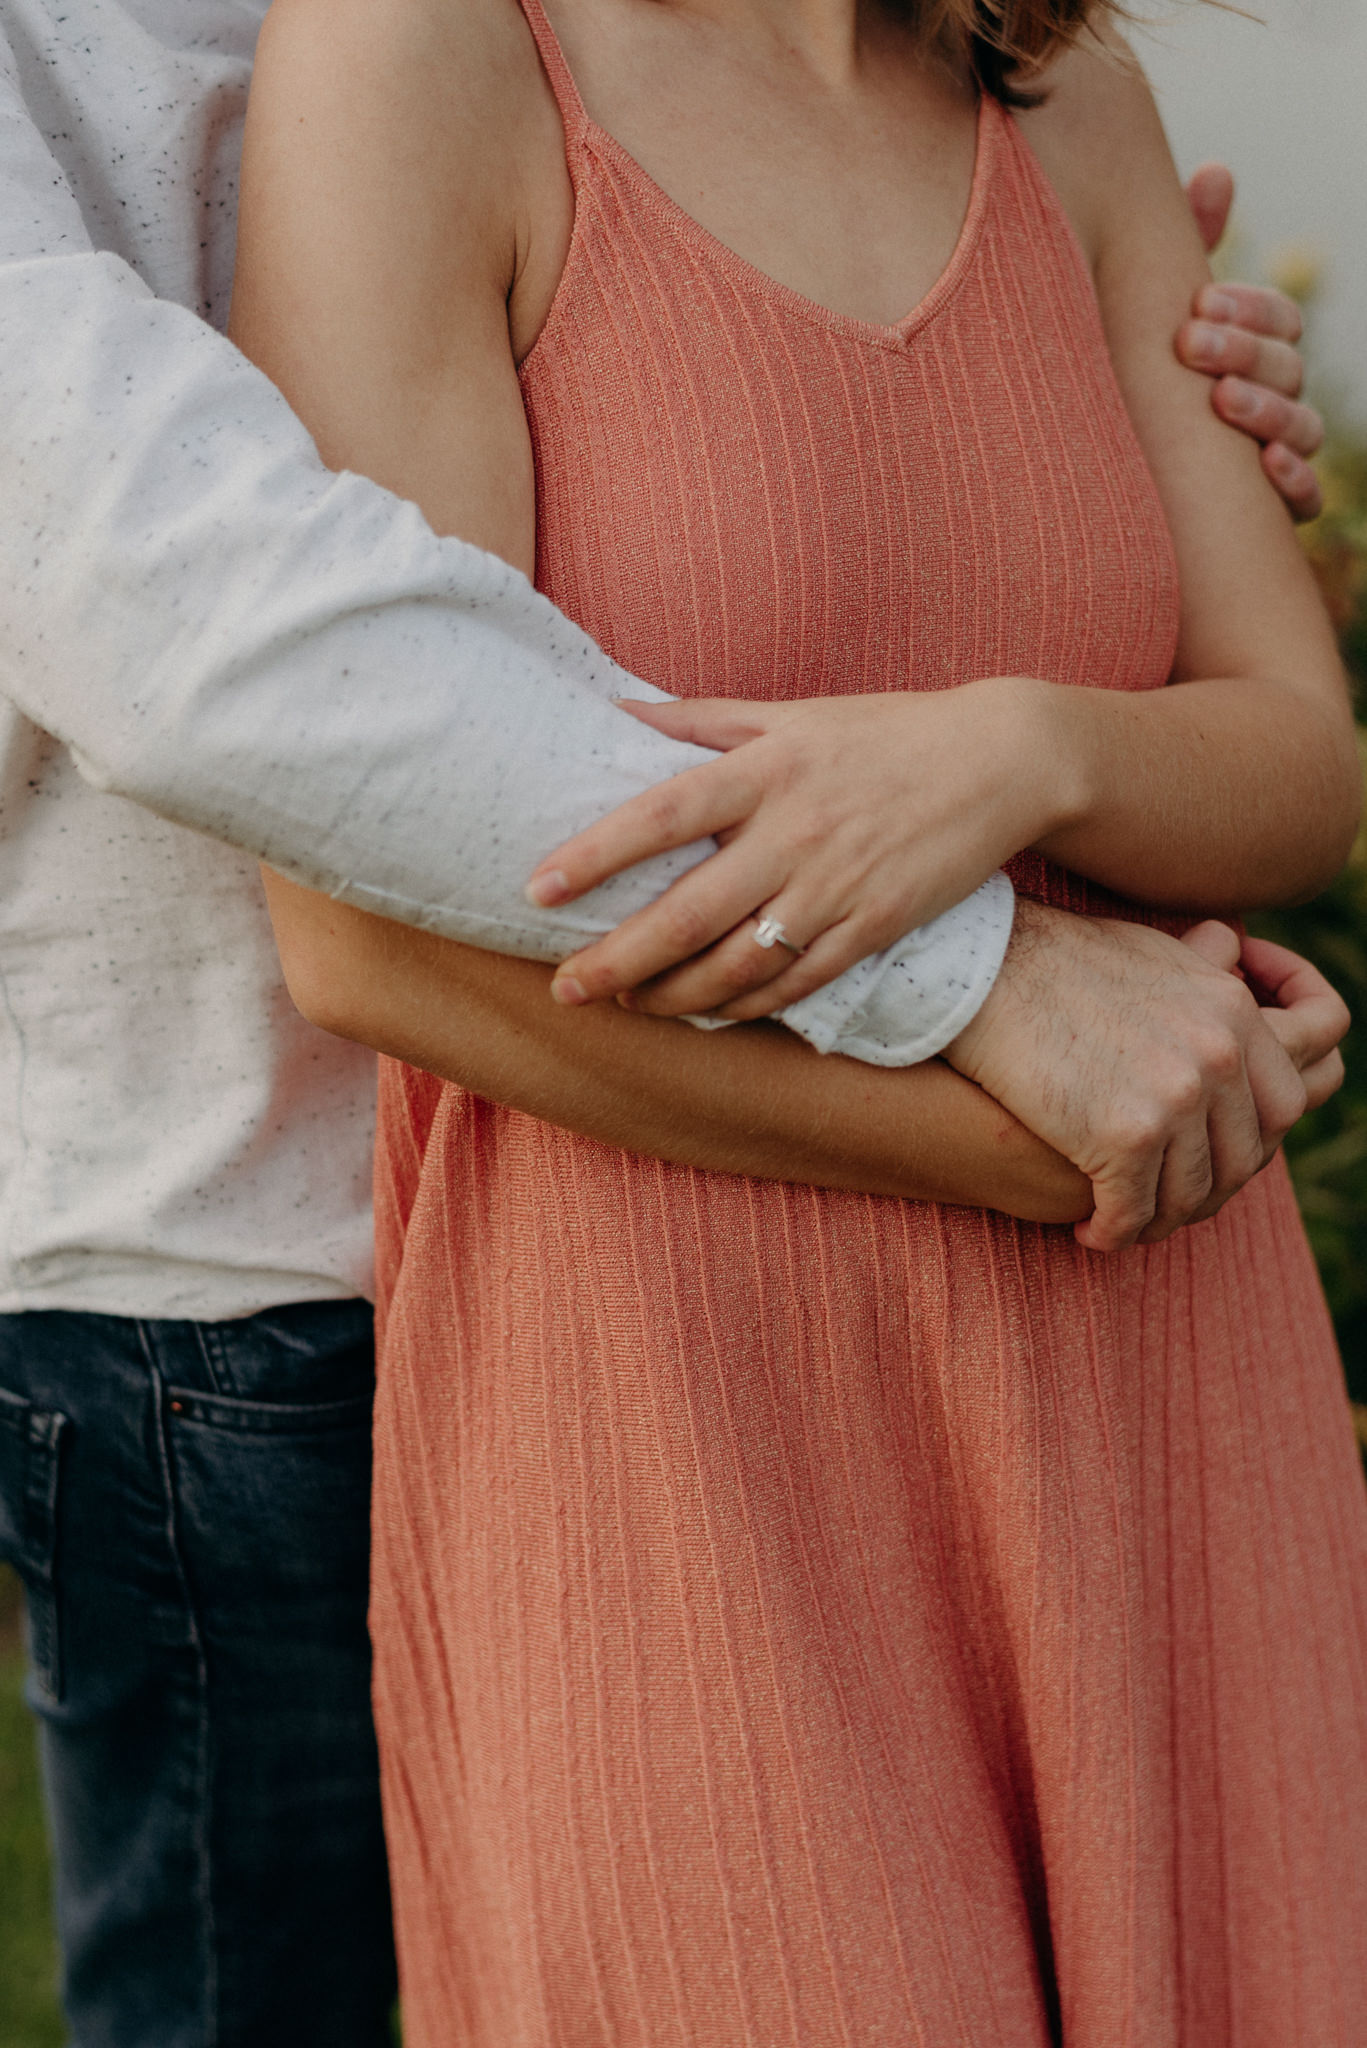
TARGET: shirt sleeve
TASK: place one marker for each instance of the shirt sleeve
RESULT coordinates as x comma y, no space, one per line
290,660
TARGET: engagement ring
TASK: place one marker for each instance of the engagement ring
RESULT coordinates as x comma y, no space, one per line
769,933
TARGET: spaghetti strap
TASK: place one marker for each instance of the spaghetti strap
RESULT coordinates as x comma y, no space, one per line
572,110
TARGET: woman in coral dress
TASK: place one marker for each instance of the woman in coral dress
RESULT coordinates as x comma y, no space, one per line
813,1614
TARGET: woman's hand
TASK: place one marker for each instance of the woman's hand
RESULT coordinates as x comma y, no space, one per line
848,820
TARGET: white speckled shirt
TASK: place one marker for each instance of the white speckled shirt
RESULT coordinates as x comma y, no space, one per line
214,651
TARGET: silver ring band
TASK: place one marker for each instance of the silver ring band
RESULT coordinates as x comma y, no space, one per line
769,933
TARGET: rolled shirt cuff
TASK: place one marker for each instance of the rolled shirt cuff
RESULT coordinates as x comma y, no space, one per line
909,1002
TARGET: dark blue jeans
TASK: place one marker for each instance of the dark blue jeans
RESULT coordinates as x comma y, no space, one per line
187,1504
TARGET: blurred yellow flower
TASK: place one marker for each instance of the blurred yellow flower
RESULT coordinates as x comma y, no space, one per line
1297,270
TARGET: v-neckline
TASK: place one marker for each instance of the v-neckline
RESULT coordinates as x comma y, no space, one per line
582,129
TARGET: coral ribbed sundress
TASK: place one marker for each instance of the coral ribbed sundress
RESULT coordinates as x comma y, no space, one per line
805,1620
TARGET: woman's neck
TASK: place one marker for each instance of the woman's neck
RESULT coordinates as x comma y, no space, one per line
824,36
812,137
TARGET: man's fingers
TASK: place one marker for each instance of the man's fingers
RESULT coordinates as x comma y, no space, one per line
1290,474
1324,1079
1210,194
1284,977
1274,1071
1248,1118
1308,1031
1185,1182
1217,943
695,805
1232,352
1126,1195
1255,306
1308,1017
1245,336
1268,416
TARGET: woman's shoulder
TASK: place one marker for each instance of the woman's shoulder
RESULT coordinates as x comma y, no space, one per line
437,87
400,140
1098,135
373,43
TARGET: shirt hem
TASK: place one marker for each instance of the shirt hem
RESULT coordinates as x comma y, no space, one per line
184,1302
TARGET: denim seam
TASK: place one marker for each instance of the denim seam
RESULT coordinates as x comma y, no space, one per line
147,1340
232,1414
41,1536
215,1359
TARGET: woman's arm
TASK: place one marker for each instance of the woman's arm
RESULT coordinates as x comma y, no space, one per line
1239,788
756,1101
1109,1031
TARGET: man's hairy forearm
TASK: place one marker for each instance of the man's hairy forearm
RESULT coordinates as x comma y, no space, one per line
753,1100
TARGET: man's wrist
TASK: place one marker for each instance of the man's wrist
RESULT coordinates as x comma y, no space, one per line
903,1006
1028,931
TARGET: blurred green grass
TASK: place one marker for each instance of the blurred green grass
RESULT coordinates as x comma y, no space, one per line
1328,1151
29,2017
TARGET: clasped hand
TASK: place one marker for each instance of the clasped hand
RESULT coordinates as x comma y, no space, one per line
1168,1071
850,820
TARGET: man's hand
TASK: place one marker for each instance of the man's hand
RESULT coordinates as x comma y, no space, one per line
1147,1062
1245,337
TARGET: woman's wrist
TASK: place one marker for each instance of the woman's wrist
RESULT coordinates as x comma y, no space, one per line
1045,765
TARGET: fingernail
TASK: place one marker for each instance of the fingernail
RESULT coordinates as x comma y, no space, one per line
627,1000
1211,342
1239,398
1219,306
545,889
565,989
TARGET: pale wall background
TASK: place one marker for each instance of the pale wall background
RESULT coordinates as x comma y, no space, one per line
1283,101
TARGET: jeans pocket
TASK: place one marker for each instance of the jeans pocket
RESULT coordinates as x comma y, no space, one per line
269,1418
30,1446
272,1500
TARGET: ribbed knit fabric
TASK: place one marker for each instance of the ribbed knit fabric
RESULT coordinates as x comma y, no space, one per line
813,1621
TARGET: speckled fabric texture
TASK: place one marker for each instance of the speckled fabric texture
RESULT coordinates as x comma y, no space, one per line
805,1620
220,632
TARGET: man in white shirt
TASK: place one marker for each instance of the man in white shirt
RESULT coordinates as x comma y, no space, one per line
196,620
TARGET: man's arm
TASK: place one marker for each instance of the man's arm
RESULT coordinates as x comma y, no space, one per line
754,1101
237,639
284,659
292,660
